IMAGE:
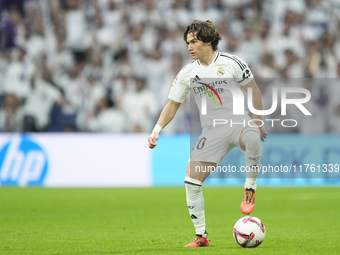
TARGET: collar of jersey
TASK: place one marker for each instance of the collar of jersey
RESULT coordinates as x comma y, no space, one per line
216,57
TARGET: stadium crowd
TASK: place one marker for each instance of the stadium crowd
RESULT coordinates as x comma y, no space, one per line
108,65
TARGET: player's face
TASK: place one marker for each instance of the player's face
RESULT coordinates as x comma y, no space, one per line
197,48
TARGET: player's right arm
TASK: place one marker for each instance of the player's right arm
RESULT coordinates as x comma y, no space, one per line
178,92
166,116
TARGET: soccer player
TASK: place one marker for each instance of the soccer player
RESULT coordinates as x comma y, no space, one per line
216,140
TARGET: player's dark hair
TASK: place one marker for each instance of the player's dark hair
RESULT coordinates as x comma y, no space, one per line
205,32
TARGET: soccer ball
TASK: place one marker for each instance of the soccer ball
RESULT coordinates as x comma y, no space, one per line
249,231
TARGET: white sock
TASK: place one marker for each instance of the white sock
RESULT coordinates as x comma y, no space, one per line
253,153
195,202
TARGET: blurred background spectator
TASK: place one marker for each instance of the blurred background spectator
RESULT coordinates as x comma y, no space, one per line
108,65
11,115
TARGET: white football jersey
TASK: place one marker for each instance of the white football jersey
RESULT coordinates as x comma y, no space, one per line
225,70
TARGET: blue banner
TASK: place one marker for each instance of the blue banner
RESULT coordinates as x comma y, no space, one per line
287,160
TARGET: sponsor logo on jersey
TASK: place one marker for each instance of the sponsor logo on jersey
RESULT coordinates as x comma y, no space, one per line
23,162
220,71
213,90
239,98
206,87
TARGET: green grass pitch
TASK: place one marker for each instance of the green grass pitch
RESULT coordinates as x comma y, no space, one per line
156,221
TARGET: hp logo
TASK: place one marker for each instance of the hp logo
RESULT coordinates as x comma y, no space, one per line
22,162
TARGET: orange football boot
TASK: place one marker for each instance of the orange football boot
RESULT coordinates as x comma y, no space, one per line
248,202
198,242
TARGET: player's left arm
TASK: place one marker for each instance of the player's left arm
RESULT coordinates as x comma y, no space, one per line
257,103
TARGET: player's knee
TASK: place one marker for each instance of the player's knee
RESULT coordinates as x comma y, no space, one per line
252,141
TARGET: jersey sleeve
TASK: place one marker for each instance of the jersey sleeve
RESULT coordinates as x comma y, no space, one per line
179,88
241,71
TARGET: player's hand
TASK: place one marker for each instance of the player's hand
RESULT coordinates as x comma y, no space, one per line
263,133
152,140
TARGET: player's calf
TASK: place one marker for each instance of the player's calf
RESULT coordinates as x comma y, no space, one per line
195,202
253,153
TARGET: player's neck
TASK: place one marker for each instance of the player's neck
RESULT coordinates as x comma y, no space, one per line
208,58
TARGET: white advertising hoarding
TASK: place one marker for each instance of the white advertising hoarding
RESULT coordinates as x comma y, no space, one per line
75,160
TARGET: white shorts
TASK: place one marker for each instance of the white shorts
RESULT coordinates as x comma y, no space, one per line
214,143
